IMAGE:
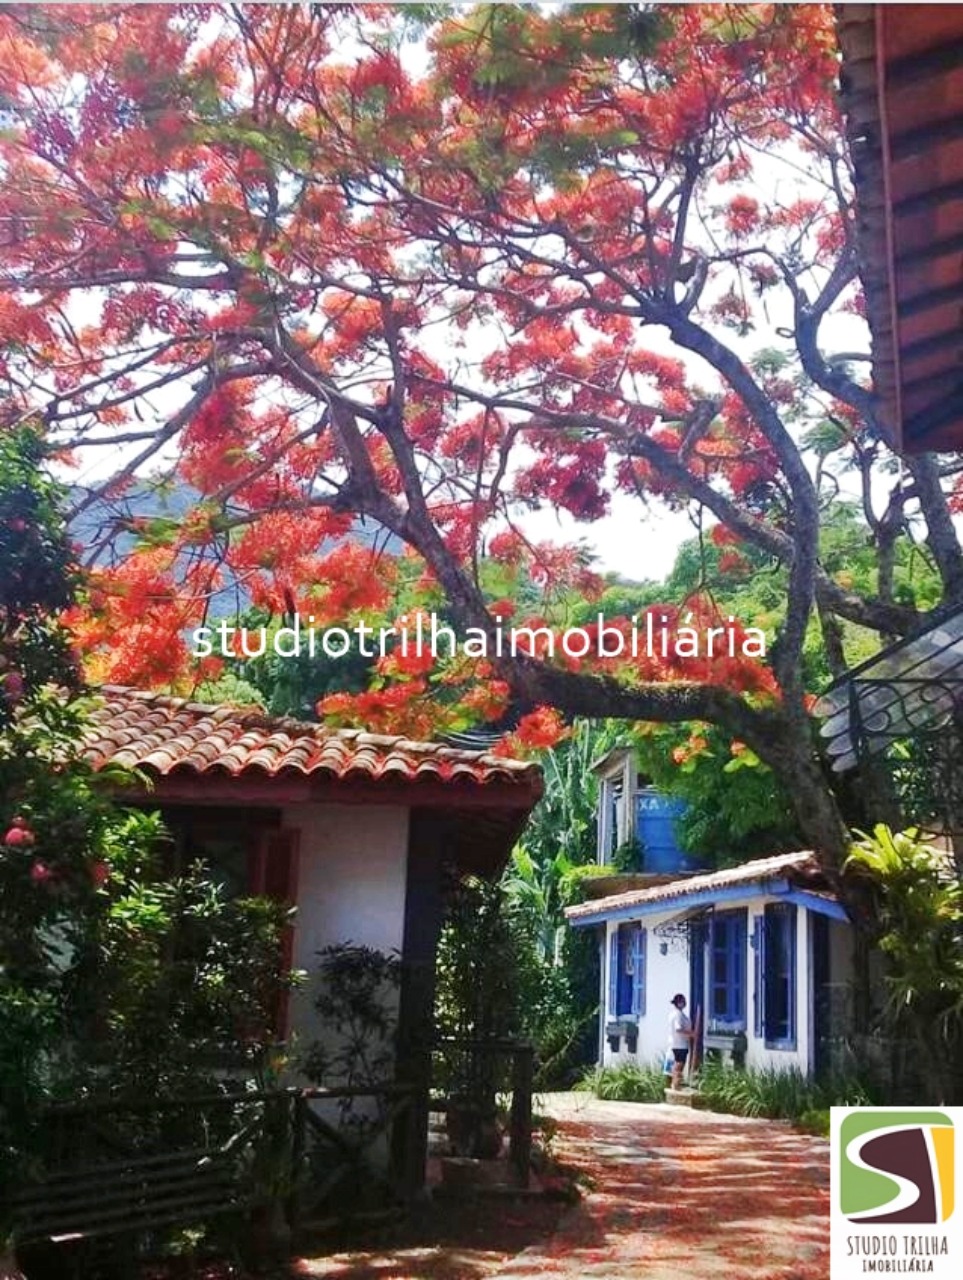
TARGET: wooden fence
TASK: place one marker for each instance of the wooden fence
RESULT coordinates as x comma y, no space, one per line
312,1156
142,1167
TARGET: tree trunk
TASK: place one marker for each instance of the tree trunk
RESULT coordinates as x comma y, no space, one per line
797,767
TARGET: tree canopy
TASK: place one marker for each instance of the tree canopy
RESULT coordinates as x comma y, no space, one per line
323,268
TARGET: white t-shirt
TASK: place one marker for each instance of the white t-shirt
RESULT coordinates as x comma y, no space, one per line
679,1024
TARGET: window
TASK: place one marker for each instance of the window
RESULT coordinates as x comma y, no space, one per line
775,946
727,971
227,841
610,806
627,972
246,853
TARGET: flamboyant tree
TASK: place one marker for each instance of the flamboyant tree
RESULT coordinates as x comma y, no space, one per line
316,267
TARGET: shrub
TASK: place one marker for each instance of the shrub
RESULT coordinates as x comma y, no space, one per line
774,1094
357,1005
628,857
815,1122
179,980
627,1082
117,980
489,982
918,905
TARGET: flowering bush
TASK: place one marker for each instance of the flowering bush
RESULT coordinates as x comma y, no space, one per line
114,977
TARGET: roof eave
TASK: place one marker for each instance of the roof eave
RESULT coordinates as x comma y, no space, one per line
864,110
902,83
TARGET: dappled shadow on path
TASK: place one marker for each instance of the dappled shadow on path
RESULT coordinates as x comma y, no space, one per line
447,1241
673,1195
680,1194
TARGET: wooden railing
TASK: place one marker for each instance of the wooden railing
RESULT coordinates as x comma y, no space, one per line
354,1163
137,1168
492,1068
317,1156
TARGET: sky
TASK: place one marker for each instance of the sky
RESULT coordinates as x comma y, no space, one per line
633,541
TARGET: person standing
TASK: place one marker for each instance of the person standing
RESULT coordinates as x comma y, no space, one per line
680,1038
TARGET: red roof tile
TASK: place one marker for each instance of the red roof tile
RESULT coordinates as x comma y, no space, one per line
801,863
163,734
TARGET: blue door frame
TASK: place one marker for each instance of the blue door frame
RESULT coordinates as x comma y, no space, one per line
698,935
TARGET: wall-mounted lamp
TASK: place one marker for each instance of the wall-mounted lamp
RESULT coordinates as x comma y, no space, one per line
663,948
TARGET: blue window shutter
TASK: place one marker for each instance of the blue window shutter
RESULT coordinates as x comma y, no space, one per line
638,972
791,917
758,972
739,968
614,973
778,989
727,969
643,970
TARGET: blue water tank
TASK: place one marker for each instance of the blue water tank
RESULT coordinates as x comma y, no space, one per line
655,825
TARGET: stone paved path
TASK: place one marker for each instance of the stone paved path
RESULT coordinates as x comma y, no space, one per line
675,1195
680,1193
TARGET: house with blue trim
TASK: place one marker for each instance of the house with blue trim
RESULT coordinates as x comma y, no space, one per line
762,951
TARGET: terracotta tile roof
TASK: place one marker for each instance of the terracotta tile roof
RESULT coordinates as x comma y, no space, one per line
162,734
800,864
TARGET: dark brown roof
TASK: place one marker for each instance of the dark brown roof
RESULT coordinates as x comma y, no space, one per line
903,96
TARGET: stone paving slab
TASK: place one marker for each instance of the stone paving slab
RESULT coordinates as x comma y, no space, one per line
681,1193
674,1194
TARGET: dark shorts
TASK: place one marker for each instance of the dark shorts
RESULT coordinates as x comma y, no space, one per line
680,1055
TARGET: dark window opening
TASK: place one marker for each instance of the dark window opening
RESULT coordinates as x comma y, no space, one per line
779,976
613,798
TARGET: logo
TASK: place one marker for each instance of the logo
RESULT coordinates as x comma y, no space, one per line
896,1166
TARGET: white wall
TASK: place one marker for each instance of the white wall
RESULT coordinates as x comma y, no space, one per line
351,888
666,975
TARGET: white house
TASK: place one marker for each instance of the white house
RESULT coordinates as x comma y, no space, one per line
761,951
356,830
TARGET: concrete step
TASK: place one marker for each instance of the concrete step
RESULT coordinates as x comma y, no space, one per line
683,1097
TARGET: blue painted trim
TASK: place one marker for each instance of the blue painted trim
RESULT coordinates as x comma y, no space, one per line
727,941
788,915
758,945
813,902
703,898
613,974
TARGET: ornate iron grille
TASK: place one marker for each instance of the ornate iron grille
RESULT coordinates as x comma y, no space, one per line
676,932
904,709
